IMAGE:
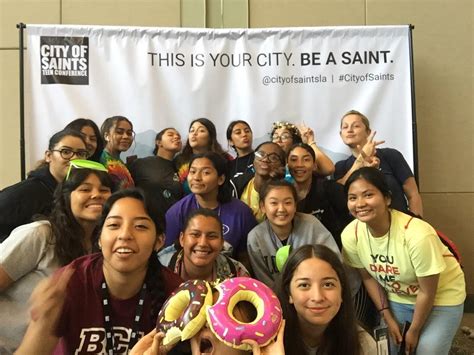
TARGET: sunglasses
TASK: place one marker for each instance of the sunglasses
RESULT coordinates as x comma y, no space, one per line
84,164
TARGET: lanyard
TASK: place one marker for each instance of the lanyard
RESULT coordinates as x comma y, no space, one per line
109,331
275,239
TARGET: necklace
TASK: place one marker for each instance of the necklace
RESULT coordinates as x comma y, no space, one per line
109,331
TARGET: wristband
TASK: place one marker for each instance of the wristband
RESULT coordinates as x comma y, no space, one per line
312,143
383,309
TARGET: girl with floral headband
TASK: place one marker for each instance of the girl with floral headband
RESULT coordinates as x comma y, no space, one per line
285,134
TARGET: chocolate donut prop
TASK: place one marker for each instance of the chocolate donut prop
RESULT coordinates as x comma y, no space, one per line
183,313
233,332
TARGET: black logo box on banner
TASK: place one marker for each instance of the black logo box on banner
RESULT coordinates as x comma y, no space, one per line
64,60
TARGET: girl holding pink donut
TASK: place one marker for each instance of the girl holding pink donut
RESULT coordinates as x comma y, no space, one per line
206,343
316,301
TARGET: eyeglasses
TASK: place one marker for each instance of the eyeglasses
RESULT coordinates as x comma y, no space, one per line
67,153
272,157
284,137
84,164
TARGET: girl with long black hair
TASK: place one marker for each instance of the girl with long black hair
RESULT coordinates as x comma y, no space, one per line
106,301
202,138
316,300
35,250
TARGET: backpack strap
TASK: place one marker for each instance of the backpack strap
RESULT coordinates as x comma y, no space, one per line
451,247
232,267
408,223
174,258
454,252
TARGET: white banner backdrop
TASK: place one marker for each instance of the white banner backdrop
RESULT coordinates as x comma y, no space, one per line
160,77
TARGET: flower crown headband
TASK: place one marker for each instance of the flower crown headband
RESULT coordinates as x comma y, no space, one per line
289,126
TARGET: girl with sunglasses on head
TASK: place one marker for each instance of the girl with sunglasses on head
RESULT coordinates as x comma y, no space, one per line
240,137
35,250
104,302
157,175
408,272
316,300
117,132
199,252
207,179
91,134
202,138
269,164
20,202
283,226
285,134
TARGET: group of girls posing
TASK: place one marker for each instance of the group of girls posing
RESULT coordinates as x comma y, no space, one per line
81,139
164,175
313,286
405,268
70,312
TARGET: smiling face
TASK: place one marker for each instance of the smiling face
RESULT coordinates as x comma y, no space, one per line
353,131
170,141
120,137
91,139
203,179
202,241
283,137
199,139
128,238
367,203
301,164
270,161
315,292
241,138
88,199
279,206
57,164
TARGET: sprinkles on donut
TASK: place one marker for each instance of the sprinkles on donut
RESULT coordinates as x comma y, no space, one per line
184,312
232,331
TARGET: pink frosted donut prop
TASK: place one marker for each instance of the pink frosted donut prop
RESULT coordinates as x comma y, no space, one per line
232,331
184,312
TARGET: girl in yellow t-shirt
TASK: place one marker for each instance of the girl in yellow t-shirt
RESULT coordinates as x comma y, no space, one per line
421,279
